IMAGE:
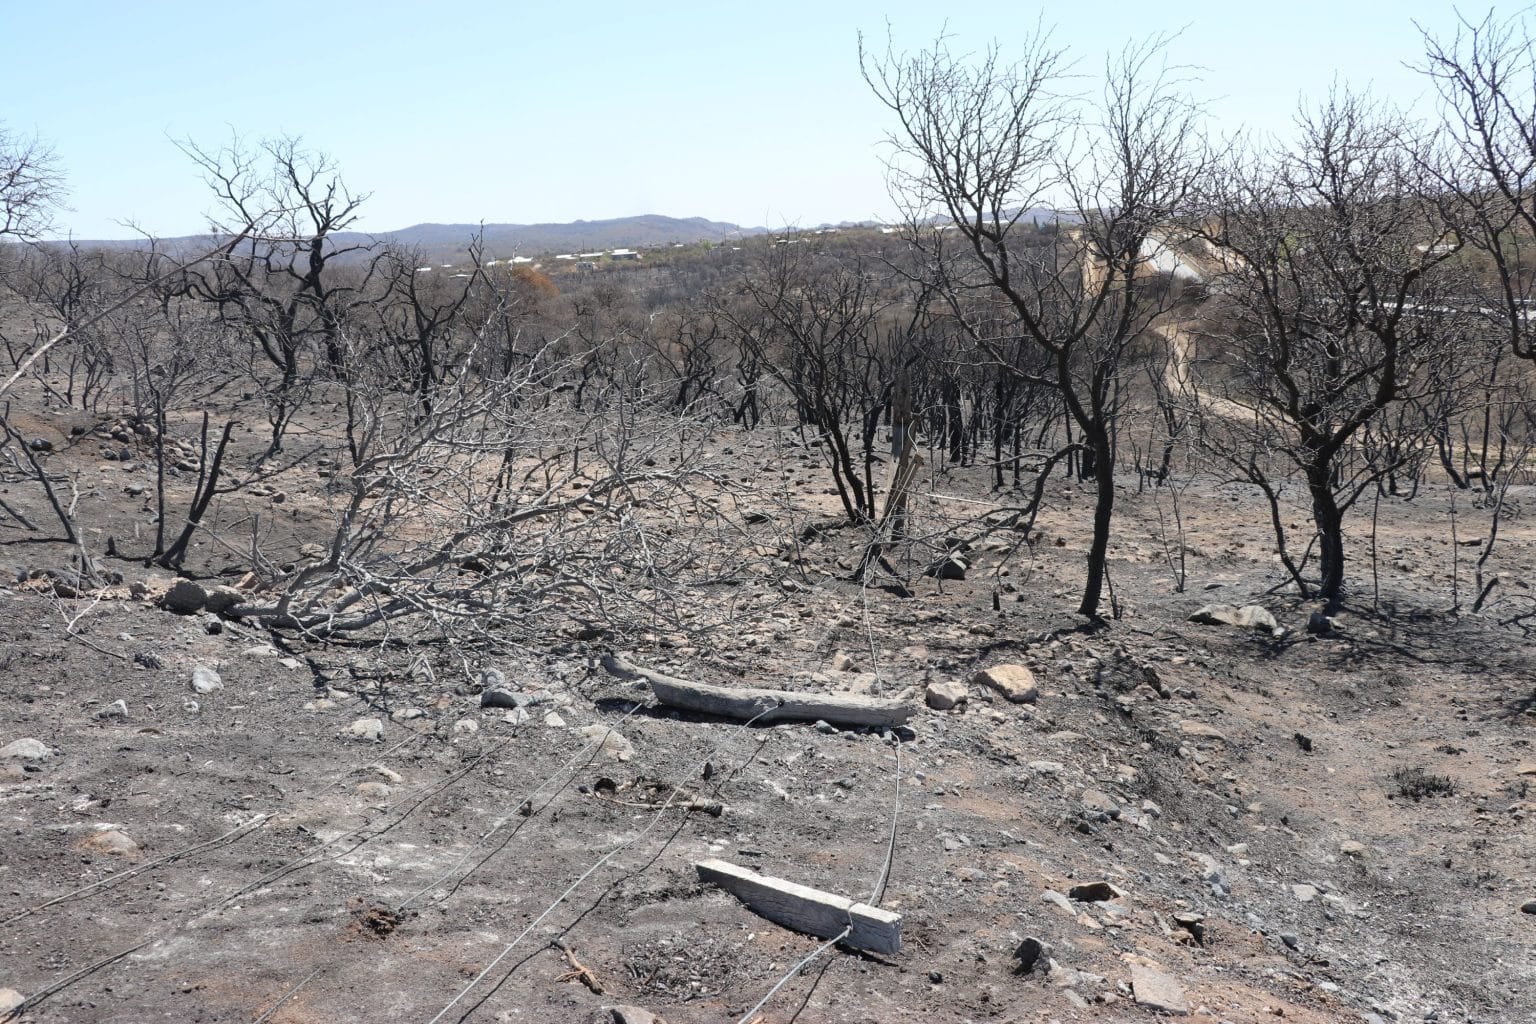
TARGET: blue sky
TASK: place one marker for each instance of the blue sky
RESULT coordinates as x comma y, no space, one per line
533,111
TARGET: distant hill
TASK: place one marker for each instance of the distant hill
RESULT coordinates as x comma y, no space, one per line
447,242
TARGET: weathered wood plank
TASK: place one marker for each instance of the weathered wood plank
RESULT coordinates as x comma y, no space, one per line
803,909
767,706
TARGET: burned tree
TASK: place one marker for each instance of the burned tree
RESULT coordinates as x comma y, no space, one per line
978,149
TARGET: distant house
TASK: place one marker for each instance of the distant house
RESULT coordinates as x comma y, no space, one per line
586,264
524,259
423,270
565,256
624,254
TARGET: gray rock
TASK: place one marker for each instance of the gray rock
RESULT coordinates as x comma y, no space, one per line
1059,901
1304,893
185,598
118,709
205,680
554,721
492,679
369,729
221,599
1046,767
113,842
1158,991
1528,907
466,727
1014,682
373,790
943,696
1249,616
612,744
1290,940
1099,802
628,1014
843,662
27,749
10,999
497,697
1319,624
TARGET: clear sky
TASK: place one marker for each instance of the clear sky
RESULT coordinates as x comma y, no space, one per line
524,111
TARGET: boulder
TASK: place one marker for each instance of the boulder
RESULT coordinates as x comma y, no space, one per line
205,680
1157,991
1015,682
185,598
943,696
27,749
1249,616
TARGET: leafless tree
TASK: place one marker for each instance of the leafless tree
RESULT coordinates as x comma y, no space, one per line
31,186
1337,287
279,286
980,147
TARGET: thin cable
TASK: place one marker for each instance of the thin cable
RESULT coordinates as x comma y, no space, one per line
802,965
890,849
239,832
655,818
286,996
586,753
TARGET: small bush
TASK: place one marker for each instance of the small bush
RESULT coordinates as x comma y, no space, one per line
1418,784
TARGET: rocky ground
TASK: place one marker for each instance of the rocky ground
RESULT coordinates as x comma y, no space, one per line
204,822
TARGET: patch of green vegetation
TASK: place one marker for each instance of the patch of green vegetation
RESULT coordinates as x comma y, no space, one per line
1418,784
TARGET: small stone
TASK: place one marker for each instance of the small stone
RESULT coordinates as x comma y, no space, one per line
118,709
1290,940
1350,848
1528,907
1201,730
554,721
1158,991
407,714
944,696
1304,893
517,716
612,744
1059,901
205,680
1046,767
466,727
27,749
1319,624
10,999
496,697
369,729
951,567
185,598
627,1014
373,790
1095,892
1100,803
222,598
1251,616
843,662
1015,682
111,842
492,679
1028,954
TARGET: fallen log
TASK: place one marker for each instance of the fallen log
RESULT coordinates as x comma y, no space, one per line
766,706
803,909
